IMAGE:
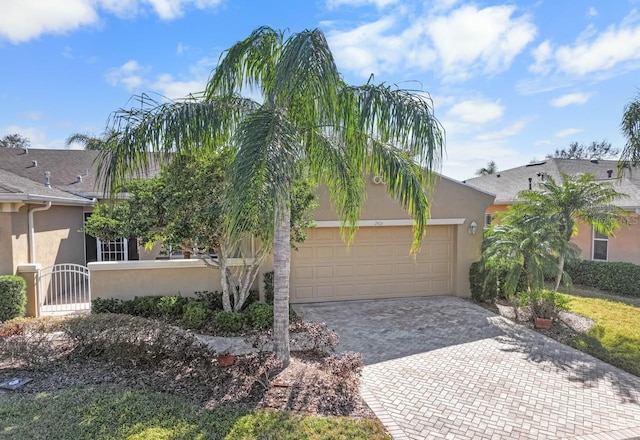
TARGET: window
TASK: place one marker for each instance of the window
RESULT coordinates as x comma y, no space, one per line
113,250
600,246
487,219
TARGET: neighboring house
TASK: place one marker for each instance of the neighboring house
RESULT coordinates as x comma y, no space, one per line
376,265
623,246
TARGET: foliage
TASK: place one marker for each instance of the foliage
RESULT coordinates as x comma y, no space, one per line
195,315
483,284
268,287
107,305
544,303
615,338
92,142
307,118
491,168
614,277
595,150
86,413
324,340
132,341
229,322
259,315
28,340
14,140
172,306
213,300
13,297
631,130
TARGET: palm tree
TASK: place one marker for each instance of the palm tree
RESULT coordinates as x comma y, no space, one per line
491,168
93,142
576,198
631,129
308,117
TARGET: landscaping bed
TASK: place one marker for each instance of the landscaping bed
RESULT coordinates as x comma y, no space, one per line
126,353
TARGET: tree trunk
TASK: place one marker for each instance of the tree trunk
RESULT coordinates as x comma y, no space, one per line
560,270
281,268
224,281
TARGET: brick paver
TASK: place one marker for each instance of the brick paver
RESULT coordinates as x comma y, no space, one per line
444,368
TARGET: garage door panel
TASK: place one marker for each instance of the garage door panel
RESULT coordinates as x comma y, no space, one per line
376,265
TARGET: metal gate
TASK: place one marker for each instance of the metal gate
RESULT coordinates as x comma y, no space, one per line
63,289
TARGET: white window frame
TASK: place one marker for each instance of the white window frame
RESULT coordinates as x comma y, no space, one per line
124,252
594,238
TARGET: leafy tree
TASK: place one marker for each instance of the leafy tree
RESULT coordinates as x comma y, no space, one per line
575,198
14,140
308,118
596,150
491,168
183,207
631,129
93,142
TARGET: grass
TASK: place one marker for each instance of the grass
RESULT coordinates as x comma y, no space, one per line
615,338
115,413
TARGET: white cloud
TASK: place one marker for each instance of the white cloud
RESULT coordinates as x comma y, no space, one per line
508,131
332,4
568,132
37,136
477,111
571,99
611,51
456,43
484,40
136,78
592,12
23,20
542,143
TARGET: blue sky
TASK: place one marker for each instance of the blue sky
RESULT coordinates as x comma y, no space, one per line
510,80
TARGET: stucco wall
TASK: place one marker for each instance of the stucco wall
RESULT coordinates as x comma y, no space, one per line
57,239
450,200
6,244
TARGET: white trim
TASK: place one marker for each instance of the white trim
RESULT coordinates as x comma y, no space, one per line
391,222
160,264
124,251
593,245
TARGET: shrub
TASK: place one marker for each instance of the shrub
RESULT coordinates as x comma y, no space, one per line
485,284
229,322
195,314
545,303
172,306
132,340
13,297
268,287
609,276
213,300
259,315
315,336
107,305
28,340
145,306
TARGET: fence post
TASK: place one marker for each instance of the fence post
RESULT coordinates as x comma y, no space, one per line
30,274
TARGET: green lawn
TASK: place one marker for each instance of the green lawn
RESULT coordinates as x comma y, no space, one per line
616,335
114,413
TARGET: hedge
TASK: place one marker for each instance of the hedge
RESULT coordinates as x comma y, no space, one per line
13,297
485,285
612,277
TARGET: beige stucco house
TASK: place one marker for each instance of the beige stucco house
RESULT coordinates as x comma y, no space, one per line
623,246
376,265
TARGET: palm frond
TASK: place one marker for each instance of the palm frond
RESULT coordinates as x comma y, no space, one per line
631,129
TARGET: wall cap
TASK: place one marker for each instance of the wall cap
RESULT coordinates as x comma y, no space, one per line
159,264
28,268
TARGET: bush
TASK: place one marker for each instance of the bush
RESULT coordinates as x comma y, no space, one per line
259,315
28,340
545,303
13,297
172,306
213,300
268,287
195,315
229,322
133,341
107,305
612,277
485,285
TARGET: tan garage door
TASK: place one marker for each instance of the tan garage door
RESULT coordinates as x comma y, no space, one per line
376,265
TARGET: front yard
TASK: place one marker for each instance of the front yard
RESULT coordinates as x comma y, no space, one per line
111,376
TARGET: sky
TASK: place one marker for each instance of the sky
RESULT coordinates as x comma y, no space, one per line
511,81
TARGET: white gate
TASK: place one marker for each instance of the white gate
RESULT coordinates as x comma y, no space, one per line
63,289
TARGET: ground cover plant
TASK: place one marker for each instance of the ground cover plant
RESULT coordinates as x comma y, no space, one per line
123,376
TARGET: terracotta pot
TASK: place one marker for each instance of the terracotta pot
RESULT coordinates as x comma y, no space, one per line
226,360
186,255
543,323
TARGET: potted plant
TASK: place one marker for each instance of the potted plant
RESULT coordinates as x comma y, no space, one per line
545,305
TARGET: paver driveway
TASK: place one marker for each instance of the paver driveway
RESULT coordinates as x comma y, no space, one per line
443,367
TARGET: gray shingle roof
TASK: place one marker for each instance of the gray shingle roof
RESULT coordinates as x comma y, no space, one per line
508,183
64,165
16,188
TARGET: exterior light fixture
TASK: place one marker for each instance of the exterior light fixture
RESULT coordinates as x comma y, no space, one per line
472,227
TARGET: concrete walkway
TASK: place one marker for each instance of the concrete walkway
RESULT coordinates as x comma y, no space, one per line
444,368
